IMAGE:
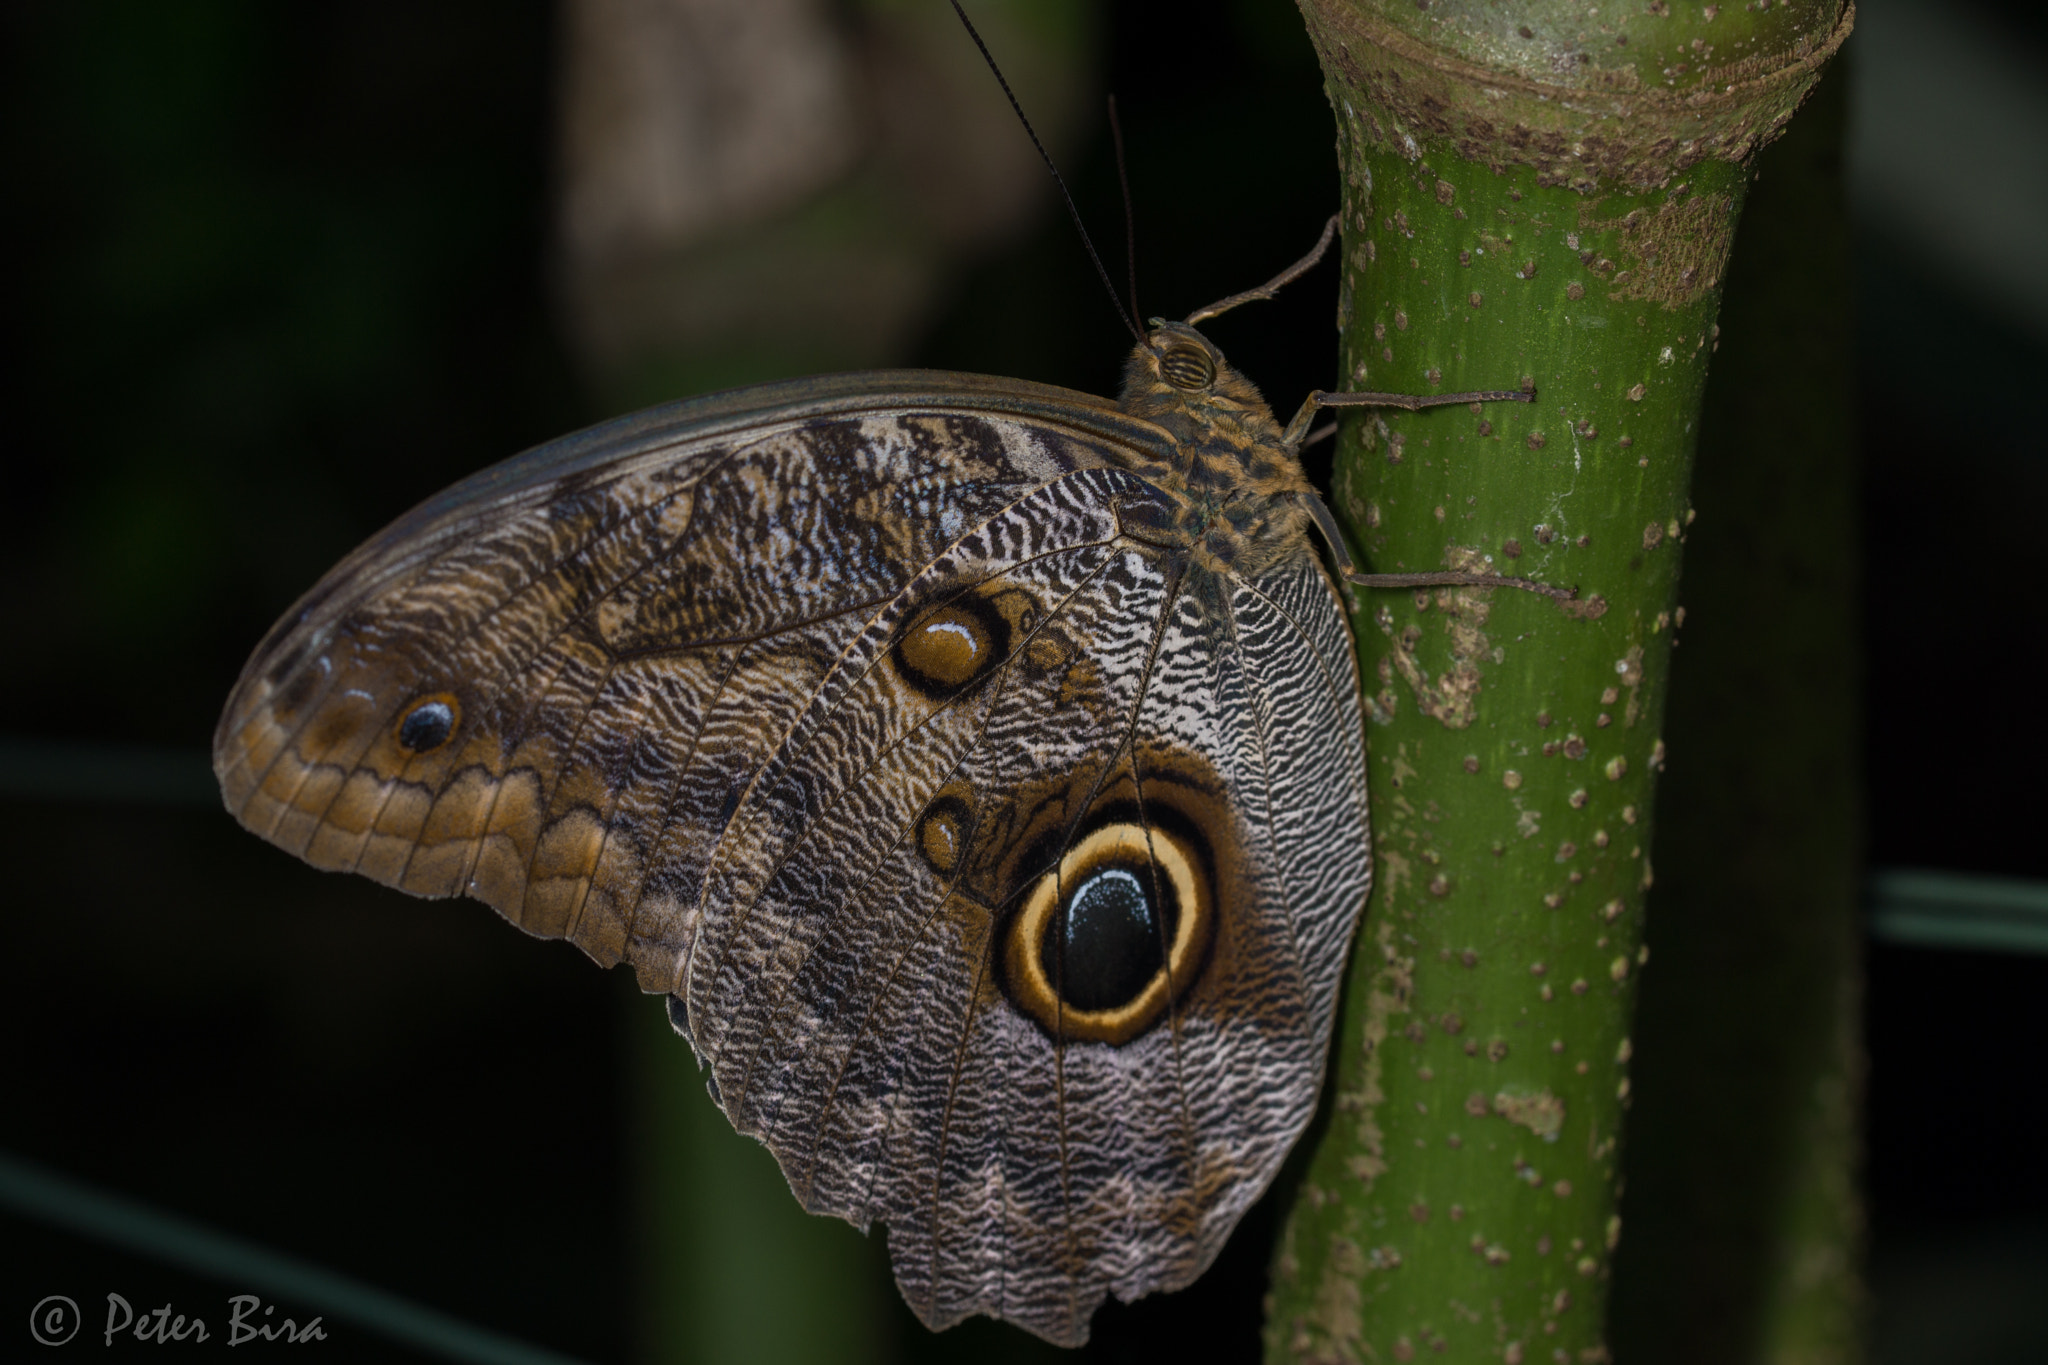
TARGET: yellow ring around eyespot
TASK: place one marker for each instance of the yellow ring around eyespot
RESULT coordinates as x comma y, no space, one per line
1024,963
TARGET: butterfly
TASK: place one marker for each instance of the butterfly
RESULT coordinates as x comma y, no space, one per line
976,766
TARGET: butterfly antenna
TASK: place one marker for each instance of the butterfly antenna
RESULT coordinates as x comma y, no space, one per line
1274,285
1032,133
1116,137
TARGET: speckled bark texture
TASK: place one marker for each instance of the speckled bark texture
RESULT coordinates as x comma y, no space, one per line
1542,196
1745,1229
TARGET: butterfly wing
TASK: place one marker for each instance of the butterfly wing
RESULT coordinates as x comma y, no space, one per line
823,706
620,626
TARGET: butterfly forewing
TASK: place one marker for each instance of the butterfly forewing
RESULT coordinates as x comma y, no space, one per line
626,635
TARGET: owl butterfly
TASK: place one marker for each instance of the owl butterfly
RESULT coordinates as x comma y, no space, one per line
975,765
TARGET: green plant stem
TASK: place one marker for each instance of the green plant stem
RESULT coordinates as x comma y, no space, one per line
1506,225
1744,1224
731,1267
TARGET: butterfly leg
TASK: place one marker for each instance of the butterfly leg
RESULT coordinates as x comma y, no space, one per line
1298,429
1350,573
1274,285
1412,402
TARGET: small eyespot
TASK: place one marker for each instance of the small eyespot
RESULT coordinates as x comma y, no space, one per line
952,647
1187,367
943,829
428,723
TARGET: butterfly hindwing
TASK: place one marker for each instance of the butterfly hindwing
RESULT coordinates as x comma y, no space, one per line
858,1012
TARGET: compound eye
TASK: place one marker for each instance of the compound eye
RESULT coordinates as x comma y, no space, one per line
1187,367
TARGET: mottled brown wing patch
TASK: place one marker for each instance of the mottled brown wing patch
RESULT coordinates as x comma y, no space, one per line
847,984
621,645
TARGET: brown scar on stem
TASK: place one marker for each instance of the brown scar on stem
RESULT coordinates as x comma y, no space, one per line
1542,1113
1452,697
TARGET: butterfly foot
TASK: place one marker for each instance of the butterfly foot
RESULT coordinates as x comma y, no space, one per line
1567,598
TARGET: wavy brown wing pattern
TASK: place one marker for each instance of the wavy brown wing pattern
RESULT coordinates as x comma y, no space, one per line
999,864
621,625
885,1054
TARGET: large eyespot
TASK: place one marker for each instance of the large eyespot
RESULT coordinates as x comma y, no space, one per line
952,646
1187,367
1106,942
428,723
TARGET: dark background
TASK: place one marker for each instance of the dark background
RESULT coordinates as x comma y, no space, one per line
278,272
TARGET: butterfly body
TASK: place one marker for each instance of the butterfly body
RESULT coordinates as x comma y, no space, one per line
976,766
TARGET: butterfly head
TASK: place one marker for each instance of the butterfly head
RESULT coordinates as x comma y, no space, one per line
1231,449
1176,368
1178,379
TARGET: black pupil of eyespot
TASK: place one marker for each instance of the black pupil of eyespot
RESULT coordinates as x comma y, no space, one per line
426,726
1109,943
1187,367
